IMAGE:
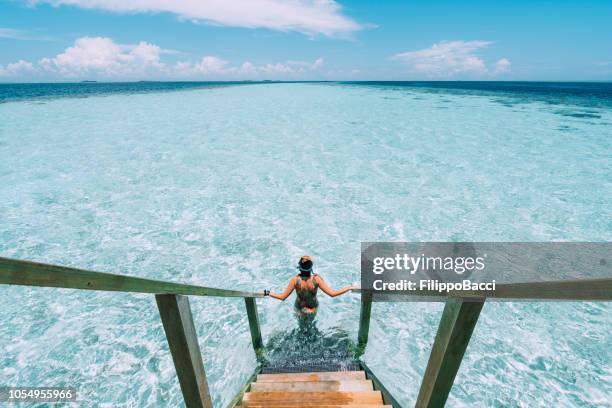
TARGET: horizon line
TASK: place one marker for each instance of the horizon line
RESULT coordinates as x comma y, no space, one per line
267,81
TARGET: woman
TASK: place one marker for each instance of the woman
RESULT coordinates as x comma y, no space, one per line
306,283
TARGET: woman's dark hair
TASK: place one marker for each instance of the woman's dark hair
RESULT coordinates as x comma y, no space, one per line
305,266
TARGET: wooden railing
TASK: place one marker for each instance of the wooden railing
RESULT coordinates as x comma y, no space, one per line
457,323
459,319
172,302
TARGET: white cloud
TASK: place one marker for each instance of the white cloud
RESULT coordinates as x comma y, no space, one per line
17,68
306,65
212,66
206,66
502,66
103,58
451,58
288,68
20,65
305,16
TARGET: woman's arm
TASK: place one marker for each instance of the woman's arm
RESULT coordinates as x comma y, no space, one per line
329,291
286,293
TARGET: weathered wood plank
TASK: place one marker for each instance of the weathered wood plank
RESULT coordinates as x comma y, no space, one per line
16,272
580,289
456,326
364,321
283,398
322,376
312,386
251,308
183,341
315,405
303,405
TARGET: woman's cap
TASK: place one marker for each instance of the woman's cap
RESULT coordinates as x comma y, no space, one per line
305,264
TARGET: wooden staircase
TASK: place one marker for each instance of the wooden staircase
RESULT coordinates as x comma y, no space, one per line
316,389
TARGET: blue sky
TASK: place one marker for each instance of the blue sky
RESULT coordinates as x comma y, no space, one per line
66,40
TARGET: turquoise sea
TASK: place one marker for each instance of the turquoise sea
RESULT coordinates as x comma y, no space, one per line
227,185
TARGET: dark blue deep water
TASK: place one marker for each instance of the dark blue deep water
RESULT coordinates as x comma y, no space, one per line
595,94
13,92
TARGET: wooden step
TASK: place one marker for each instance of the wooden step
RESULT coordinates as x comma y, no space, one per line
312,386
283,398
321,406
323,376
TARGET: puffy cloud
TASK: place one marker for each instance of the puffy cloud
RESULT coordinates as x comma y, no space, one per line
289,68
305,16
217,67
209,65
17,68
102,56
502,66
450,58
306,65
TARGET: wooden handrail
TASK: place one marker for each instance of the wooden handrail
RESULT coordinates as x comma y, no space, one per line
17,272
174,311
457,323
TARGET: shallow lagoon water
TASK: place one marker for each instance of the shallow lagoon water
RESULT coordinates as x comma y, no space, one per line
227,187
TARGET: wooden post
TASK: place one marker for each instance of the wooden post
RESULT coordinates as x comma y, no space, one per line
364,321
456,326
251,308
183,341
